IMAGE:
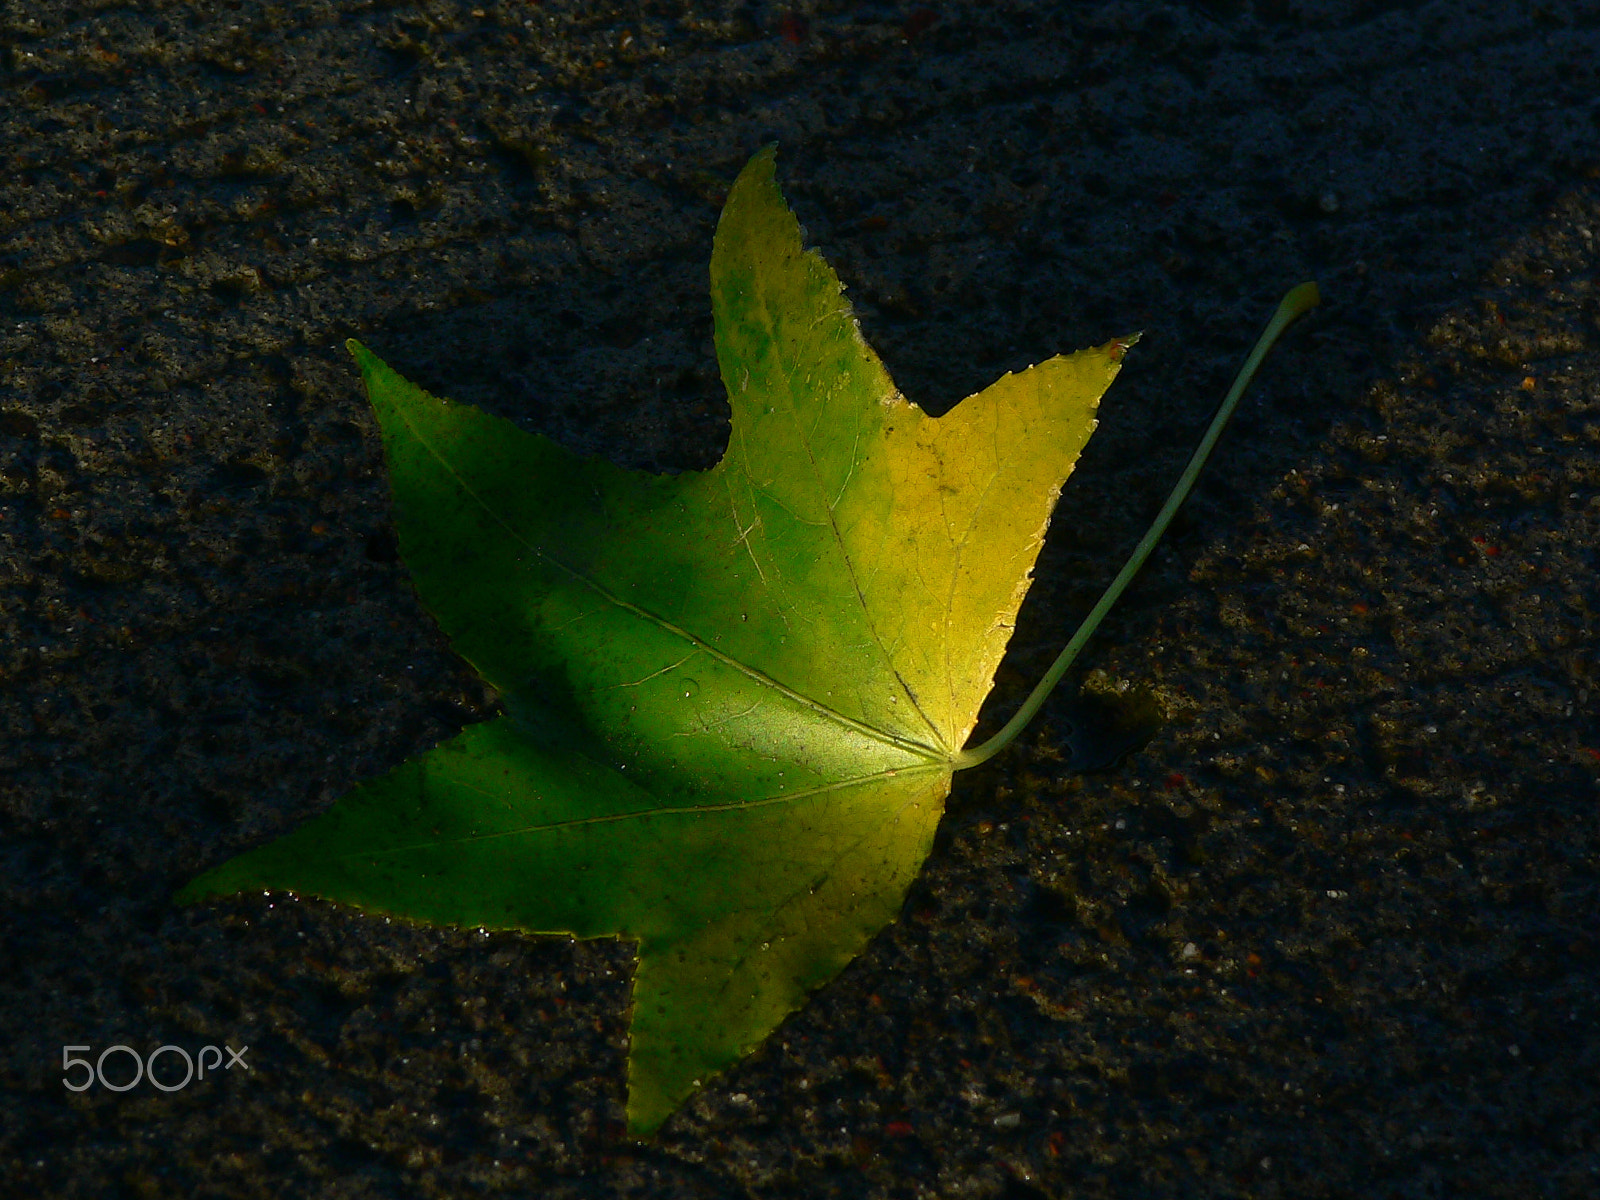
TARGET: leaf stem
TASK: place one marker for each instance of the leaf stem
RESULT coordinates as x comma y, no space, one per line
1299,301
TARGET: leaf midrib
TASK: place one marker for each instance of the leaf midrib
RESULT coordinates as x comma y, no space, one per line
791,411
686,810
932,754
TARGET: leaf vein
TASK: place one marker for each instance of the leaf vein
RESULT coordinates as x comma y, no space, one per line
936,753
638,814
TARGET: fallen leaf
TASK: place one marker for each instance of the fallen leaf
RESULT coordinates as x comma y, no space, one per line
734,697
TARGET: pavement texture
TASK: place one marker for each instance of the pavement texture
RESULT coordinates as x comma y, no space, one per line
1328,931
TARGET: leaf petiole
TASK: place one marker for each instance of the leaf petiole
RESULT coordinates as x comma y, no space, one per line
1299,301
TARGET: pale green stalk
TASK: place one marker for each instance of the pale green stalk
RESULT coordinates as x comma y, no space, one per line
1296,303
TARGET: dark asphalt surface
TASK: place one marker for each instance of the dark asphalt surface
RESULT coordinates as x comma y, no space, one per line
1329,932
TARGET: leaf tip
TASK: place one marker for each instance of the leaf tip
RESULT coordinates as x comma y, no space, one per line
763,165
1117,348
195,890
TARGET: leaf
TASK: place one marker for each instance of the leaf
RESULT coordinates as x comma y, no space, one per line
734,697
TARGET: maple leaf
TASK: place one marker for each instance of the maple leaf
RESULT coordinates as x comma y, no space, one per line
734,698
